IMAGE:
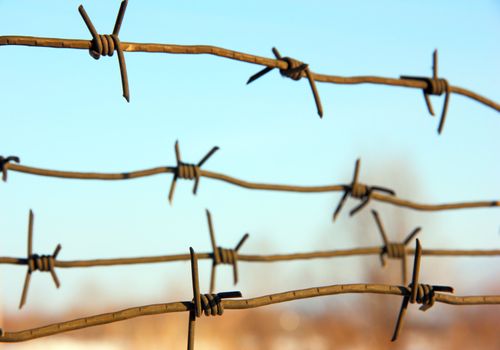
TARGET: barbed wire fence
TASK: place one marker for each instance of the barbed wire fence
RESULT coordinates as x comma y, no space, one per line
215,303
107,44
189,171
231,256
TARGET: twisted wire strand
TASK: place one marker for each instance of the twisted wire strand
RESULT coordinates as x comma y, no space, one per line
373,194
240,304
286,66
256,258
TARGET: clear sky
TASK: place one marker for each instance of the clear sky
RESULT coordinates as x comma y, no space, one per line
63,110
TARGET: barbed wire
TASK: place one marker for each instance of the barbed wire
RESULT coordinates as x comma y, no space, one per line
220,255
289,67
188,171
215,304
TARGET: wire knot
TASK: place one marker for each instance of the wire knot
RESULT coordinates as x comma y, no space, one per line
295,70
104,45
424,295
223,255
226,256
435,86
211,304
187,171
107,44
395,250
359,191
4,161
43,263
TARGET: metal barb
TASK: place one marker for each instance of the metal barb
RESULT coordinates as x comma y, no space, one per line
435,86
4,165
187,171
359,191
210,303
295,71
417,293
392,249
107,44
44,263
223,255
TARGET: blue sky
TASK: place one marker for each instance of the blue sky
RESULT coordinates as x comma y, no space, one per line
63,110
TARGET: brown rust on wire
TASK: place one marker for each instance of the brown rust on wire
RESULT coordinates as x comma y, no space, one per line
356,190
286,66
240,304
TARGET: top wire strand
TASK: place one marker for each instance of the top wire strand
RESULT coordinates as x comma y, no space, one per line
288,67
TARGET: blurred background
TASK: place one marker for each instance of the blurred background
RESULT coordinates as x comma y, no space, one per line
63,110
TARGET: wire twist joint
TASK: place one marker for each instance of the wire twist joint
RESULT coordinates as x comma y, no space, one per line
106,45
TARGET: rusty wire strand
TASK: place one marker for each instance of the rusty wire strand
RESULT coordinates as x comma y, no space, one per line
356,190
287,66
215,304
230,256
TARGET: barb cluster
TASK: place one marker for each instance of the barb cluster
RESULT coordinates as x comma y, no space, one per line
359,191
435,86
187,171
294,70
223,255
105,45
42,263
423,294
394,250
211,303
